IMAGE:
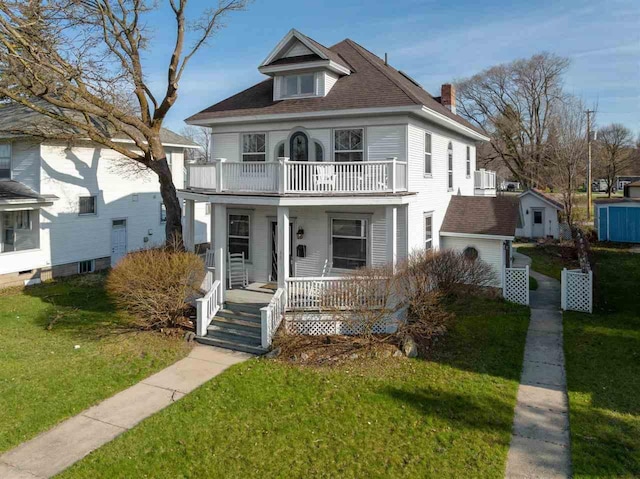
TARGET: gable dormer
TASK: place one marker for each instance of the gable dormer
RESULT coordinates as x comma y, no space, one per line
302,68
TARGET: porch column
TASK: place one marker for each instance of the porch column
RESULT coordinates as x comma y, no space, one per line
283,245
189,225
212,227
391,217
219,219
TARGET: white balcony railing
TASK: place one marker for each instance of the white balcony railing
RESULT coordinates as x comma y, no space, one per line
485,179
300,177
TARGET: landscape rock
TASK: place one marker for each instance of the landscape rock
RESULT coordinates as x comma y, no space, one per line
189,336
398,354
409,347
354,356
274,353
304,356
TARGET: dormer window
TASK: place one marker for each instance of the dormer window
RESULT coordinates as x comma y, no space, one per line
299,85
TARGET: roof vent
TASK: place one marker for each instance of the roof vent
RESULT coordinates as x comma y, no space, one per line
409,78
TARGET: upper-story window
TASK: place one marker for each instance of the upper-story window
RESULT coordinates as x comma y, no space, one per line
349,144
468,162
427,154
5,161
298,85
450,165
87,205
254,147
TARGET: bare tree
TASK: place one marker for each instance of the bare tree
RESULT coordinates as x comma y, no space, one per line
514,103
567,152
614,152
202,137
80,64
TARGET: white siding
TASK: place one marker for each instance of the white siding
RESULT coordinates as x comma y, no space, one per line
490,251
25,163
385,142
298,49
330,80
551,226
226,145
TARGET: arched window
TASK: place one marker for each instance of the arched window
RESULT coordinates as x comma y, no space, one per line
299,147
470,253
280,150
319,151
450,164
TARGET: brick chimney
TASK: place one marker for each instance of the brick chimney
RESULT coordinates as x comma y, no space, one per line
448,96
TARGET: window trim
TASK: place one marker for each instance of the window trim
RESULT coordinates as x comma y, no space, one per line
10,177
364,143
95,205
368,230
450,166
92,269
283,83
427,214
430,153
14,228
468,164
266,145
249,215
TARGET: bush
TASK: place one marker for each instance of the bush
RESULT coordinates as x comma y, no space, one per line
155,284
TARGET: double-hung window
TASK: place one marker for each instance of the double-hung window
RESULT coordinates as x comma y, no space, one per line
428,230
468,162
299,85
20,231
163,213
427,154
349,243
87,205
349,144
450,165
254,147
240,234
5,161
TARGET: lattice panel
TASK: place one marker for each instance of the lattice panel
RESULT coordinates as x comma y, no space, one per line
579,290
516,285
327,327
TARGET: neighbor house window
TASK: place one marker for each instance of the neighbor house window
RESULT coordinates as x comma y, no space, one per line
20,231
297,85
88,266
254,147
428,230
349,144
450,165
87,205
349,243
163,213
5,161
239,234
468,162
427,154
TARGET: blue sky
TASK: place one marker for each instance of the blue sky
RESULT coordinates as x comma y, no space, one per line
435,42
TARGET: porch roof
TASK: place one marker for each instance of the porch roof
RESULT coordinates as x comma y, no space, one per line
13,192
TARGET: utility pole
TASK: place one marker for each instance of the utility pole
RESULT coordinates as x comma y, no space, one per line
589,112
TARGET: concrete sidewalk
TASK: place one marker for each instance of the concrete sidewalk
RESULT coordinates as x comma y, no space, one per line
540,443
55,450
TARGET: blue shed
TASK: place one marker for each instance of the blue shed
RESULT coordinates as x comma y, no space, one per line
618,219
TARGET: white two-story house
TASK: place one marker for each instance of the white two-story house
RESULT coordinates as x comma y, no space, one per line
334,162
73,207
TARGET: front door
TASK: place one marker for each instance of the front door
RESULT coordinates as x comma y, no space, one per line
538,223
118,240
274,250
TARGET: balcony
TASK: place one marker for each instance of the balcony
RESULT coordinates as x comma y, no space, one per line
299,177
484,182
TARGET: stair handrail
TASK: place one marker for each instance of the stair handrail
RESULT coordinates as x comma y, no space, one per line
206,308
271,317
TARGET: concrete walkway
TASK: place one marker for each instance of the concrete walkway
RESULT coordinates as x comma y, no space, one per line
540,446
55,450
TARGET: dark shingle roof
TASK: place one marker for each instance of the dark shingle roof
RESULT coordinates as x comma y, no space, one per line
480,215
18,120
14,190
372,84
546,197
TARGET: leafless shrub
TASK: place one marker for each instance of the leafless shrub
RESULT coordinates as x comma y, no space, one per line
364,301
426,318
155,284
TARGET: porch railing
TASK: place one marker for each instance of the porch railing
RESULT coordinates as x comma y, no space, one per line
300,177
207,307
271,316
327,293
485,179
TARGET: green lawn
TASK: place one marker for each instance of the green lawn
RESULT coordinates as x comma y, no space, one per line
44,378
603,371
447,417
548,259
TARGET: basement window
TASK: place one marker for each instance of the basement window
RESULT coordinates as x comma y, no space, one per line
88,266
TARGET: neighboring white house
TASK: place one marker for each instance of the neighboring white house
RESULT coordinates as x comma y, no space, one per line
540,215
334,162
69,208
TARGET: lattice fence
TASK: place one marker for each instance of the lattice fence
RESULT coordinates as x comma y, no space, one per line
577,290
565,231
516,285
316,324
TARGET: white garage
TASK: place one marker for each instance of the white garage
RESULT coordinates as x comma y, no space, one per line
540,215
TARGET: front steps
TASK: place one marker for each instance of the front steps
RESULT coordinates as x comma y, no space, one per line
238,327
